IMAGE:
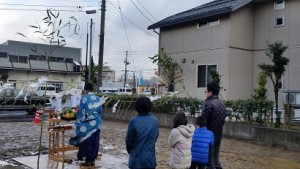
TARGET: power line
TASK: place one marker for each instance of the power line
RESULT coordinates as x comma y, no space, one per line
140,11
146,10
126,35
132,22
124,26
20,9
51,6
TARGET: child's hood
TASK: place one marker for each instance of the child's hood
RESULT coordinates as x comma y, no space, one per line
187,131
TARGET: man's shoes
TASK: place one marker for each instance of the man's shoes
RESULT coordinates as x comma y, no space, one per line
88,163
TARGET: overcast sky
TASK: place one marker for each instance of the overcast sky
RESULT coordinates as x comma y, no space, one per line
15,16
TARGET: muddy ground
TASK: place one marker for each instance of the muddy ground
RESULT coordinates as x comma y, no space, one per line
22,139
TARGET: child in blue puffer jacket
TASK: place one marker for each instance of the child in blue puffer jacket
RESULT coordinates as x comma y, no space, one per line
203,140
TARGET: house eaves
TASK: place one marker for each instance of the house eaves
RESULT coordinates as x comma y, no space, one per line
212,9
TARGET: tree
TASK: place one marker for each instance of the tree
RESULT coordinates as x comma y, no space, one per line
216,78
50,31
276,70
94,77
171,73
262,104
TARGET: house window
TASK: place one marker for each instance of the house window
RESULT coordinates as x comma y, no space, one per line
37,57
279,21
204,75
279,5
18,59
3,55
69,60
56,59
214,22
23,59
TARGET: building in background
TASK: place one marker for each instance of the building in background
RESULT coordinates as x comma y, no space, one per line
19,64
108,75
231,37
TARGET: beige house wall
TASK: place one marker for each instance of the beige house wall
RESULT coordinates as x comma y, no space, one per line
240,54
198,46
265,31
237,46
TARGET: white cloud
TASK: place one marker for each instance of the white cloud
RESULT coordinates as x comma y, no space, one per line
142,44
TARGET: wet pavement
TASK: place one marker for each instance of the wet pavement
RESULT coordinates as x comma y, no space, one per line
22,139
15,116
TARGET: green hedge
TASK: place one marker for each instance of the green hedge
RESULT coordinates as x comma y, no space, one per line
249,110
172,104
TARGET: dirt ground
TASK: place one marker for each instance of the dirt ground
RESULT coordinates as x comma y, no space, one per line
235,154
22,139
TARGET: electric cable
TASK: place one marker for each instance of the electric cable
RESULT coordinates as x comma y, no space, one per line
146,10
126,33
133,22
141,11
51,6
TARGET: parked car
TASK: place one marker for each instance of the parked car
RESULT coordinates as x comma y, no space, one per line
50,90
146,92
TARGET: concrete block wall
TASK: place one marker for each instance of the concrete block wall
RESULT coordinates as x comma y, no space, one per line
263,135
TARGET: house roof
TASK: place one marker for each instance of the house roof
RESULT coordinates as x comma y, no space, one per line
214,8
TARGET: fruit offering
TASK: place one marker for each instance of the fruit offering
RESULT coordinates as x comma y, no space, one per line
69,114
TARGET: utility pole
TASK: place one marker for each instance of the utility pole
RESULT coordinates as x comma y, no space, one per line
134,82
101,45
90,61
126,63
86,57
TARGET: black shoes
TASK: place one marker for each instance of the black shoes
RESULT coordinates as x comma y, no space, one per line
88,163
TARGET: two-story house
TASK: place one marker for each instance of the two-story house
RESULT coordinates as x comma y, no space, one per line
231,36
22,61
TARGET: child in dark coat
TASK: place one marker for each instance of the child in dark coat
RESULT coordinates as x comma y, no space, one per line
203,140
141,136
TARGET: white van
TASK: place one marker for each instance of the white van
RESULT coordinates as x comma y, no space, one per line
50,91
124,90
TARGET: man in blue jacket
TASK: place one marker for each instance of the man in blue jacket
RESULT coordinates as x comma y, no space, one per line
203,141
141,136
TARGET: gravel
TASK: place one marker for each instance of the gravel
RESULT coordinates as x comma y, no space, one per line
22,139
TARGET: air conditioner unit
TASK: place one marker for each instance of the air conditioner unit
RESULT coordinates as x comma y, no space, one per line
297,98
289,98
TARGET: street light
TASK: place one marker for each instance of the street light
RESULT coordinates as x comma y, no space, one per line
91,12
88,72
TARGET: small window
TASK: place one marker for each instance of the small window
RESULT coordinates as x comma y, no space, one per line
69,60
279,5
14,58
204,74
37,57
3,55
33,57
279,21
212,22
23,59
56,59
42,58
